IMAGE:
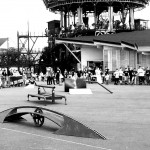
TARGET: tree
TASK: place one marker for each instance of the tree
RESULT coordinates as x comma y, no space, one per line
46,59
55,57
10,57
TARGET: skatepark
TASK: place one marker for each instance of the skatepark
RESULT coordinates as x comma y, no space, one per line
122,117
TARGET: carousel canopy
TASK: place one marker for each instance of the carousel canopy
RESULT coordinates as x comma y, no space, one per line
60,5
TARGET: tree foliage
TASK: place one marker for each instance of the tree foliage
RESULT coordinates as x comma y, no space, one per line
10,57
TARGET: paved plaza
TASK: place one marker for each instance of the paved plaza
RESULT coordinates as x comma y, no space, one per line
122,117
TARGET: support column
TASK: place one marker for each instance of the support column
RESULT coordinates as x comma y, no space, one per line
131,19
110,15
95,16
80,16
74,18
61,19
68,19
65,20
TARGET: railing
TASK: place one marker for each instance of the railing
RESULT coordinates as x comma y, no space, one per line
52,3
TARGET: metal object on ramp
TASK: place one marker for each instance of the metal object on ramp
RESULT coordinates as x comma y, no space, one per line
68,125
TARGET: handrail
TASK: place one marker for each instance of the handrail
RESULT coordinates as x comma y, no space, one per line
101,86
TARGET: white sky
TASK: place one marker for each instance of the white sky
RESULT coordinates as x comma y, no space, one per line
15,14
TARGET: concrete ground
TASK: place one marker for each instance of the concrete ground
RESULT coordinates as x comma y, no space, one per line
122,117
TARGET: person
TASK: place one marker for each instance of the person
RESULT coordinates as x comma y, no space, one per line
0,78
143,75
107,78
120,75
47,32
140,75
52,76
65,73
126,75
89,78
98,75
41,77
147,76
48,75
116,74
134,74
28,73
58,75
4,75
130,70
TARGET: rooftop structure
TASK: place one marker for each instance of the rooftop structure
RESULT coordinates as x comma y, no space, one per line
80,9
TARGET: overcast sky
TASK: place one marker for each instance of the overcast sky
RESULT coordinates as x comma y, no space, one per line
15,15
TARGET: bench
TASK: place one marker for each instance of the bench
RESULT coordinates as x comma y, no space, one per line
45,95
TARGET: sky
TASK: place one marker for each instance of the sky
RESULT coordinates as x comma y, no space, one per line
16,14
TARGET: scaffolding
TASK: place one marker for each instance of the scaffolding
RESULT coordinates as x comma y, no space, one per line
26,44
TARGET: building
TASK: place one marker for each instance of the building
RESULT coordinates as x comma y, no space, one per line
113,50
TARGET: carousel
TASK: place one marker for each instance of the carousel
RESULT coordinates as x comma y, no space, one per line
75,13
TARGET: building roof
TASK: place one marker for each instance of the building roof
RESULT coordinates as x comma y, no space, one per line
138,38
2,41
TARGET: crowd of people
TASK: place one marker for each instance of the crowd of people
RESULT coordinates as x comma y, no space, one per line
14,77
132,76
120,76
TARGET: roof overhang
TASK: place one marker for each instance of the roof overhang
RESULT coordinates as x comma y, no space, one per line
98,43
59,41
106,43
128,45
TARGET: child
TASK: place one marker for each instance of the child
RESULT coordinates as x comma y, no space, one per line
107,78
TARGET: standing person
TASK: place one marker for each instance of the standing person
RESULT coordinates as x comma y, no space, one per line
107,78
140,75
98,75
48,75
120,75
147,76
28,73
58,75
134,74
52,76
143,75
89,76
65,73
126,76
116,74
4,75
106,75
130,75
0,78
